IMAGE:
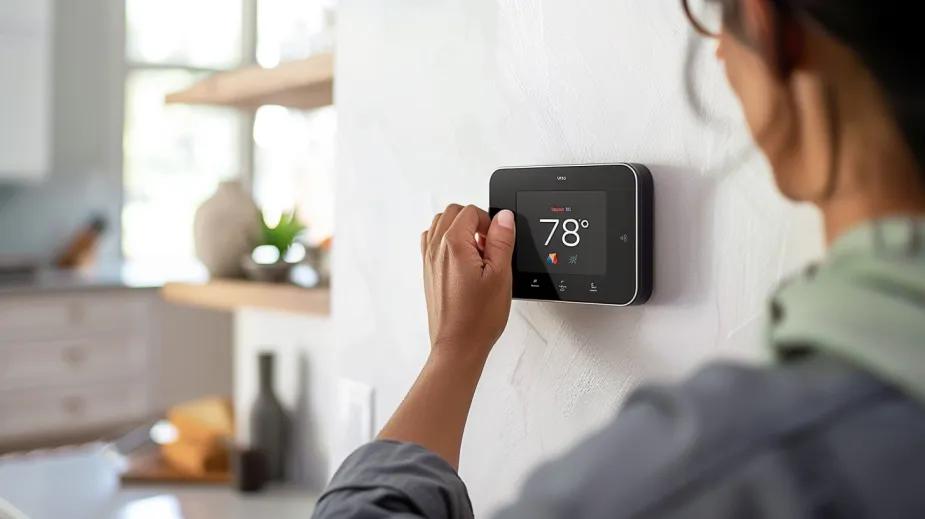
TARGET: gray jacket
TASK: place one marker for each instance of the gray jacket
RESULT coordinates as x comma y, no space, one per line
810,438
835,429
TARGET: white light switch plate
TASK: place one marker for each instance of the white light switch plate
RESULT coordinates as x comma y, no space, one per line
354,419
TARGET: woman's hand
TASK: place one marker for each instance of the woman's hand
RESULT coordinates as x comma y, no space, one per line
467,282
467,279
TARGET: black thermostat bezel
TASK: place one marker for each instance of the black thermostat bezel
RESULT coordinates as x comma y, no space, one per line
629,231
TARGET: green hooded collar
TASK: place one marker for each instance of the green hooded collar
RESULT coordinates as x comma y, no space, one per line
864,303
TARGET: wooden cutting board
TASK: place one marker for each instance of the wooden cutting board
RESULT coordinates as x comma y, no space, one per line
148,467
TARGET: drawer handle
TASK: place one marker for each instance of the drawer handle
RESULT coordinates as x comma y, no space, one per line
73,405
74,356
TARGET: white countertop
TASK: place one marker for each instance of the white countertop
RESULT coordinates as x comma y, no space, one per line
83,483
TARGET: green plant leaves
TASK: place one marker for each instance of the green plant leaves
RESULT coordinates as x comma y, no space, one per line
284,234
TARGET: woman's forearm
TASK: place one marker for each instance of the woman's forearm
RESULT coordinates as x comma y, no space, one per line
434,412
467,287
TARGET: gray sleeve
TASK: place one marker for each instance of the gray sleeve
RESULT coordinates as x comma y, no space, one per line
633,462
391,479
617,472
731,441
709,447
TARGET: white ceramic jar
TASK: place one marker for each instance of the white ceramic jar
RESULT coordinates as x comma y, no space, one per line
226,228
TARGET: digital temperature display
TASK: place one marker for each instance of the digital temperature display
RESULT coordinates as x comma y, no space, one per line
562,232
584,232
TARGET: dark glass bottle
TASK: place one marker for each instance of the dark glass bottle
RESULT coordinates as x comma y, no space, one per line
269,423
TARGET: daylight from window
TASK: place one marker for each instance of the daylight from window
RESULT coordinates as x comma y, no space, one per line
175,155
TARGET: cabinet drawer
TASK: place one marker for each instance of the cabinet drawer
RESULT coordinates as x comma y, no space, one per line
35,316
18,314
117,310
70,409
60,361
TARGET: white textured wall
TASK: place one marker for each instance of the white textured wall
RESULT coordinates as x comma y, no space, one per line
433,95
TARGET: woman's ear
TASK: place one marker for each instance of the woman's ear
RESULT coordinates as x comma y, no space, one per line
777,38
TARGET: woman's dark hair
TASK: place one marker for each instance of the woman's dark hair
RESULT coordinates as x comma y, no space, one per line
885,34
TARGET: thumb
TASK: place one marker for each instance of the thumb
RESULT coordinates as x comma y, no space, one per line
499,242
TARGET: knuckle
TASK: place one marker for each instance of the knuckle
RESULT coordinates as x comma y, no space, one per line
501,243
505,241
453,207
456,244
450,242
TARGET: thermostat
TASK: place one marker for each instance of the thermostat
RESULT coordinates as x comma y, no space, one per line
584,233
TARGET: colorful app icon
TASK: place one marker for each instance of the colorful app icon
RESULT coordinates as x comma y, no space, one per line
552,259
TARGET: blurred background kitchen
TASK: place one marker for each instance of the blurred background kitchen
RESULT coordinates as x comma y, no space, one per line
166,219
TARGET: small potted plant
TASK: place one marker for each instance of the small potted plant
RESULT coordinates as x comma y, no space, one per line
268,262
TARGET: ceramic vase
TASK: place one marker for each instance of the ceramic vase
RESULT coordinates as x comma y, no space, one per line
226,227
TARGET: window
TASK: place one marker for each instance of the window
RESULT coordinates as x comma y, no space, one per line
175,155
198,33
293,159
294,149
293,29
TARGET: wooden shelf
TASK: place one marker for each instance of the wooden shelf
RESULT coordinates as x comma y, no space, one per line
229,294
302,84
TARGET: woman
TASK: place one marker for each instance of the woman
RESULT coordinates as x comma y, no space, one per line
832,91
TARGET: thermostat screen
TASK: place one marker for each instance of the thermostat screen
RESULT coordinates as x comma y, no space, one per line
562,232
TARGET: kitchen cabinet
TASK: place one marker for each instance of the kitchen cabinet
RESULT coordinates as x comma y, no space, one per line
86,357
25,89
74,362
